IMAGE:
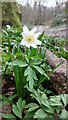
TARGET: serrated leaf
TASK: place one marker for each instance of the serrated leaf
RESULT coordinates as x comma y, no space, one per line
23,104
45,103
39,69
49,110
31,105
29,115
33,108
47,76
17,63
19,104
55,101
31,81
40,114
34,74
11,116
27,71
55,104
16,111
64,98
64,114
36,61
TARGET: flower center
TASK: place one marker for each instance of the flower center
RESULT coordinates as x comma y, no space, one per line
30,38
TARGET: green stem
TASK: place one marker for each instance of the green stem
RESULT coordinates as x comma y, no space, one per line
15,68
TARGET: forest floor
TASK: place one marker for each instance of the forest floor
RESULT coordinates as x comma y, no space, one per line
58,31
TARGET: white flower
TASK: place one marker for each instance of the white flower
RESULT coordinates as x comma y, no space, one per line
8,26
30,38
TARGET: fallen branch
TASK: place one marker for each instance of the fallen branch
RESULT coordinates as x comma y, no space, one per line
59,77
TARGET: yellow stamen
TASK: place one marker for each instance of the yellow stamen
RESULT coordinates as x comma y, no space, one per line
30,38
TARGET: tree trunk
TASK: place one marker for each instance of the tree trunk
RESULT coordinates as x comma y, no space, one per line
59,76
11,14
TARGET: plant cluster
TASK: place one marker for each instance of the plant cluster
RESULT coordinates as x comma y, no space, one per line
24,56
57,45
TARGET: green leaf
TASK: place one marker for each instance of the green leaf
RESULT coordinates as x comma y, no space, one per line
20,104
45,103
18,108
33,108
39,69
47,76
16,111
30,76
40,114
4,115
17,63
33,74
31,81
23,104
27,71
31,105
12,97
64,114
49,110
6,99
64,98
29,115
36,61
55,104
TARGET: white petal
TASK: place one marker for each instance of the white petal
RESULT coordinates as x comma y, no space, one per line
8,26
33,45
38,42
33,31
27,45
23,42
36,35
23,34
25,30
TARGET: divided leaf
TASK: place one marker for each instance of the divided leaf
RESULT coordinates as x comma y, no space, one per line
31,76
17,63
40,114
11,116
18,108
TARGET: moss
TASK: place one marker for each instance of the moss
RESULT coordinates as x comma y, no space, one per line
11,14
